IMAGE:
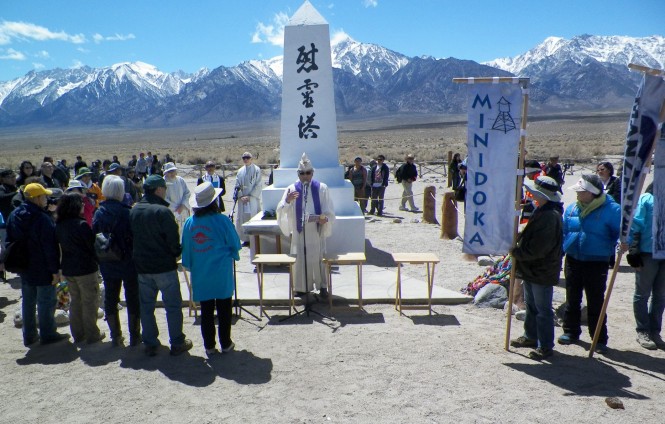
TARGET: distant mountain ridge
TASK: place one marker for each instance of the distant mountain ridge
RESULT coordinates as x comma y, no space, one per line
584,73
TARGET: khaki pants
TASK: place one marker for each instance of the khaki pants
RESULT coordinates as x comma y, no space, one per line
407,194
84,292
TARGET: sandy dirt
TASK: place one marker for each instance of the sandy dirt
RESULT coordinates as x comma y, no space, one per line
361,367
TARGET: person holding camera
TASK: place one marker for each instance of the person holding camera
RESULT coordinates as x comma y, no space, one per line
357,174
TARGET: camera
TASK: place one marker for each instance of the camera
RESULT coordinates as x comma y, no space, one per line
568,166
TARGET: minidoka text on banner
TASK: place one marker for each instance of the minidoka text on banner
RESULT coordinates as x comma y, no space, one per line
645,119
493,137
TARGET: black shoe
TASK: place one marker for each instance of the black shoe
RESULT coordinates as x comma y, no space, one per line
323,292
151,350
57,337
30,342
379,214
540,353
181,348
299,294
245,243
101,336
522,341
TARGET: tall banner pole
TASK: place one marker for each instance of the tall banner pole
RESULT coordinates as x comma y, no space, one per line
518,201
636,146
524,83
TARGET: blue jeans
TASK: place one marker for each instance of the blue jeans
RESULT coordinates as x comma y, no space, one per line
539,321
649,282
169,285
39,299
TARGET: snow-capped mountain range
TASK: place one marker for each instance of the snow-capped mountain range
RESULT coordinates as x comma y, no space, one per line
585,72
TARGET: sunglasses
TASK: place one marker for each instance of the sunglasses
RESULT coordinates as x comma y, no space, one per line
246,157
304,172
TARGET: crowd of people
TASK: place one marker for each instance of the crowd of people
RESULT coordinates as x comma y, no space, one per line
128,226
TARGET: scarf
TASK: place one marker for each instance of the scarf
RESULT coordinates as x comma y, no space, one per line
591,206
315,197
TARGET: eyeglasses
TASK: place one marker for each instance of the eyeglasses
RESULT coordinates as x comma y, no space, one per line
304,172
246,157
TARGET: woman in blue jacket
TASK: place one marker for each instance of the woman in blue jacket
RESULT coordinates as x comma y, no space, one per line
590,229
210,244
649,277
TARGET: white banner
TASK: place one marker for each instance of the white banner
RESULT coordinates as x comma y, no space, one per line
493,136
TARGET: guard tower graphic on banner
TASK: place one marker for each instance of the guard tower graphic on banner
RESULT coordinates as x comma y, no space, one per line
504,122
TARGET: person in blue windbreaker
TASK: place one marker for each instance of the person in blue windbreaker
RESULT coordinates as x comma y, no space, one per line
649,275
210,244
590,232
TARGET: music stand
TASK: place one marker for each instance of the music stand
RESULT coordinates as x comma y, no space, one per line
308,305
236,302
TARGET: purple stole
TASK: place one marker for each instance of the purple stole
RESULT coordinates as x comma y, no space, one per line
315,196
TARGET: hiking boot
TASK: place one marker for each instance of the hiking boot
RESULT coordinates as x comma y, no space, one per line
151,350
567,338
101,336
644,339
403,208
211,352
181,348
660,343
602,348
57,337
323,292
415,210
229,349
522,341
540,353
30,341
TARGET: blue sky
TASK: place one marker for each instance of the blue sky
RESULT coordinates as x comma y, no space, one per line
189,35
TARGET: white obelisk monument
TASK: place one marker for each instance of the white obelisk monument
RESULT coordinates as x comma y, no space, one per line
309,125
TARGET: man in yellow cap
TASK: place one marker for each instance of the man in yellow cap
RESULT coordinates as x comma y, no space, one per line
33,230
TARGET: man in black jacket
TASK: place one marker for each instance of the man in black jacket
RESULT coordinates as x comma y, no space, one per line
156,251
406,174
537,261
31,225
379,181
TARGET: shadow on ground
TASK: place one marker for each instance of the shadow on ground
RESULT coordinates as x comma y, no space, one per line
186,369
580,376
242,366
4,302
377,257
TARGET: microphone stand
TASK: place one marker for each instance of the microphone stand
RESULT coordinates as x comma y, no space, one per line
308,305
236,303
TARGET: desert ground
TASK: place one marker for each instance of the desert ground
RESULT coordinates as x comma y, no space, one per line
369,367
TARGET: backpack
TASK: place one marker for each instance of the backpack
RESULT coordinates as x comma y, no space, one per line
398,173
106,249
15,257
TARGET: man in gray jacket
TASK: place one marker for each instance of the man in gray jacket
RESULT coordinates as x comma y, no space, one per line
156,251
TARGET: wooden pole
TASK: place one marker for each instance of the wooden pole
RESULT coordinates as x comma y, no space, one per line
429,205
449,216
610,286
450,177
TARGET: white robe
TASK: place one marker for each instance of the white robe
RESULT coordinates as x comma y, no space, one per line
316,237
177,194
249,182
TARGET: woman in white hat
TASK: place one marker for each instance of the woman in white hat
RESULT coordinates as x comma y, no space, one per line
210,244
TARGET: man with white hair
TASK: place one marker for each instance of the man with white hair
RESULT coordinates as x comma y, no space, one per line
248,194
177,194
306,211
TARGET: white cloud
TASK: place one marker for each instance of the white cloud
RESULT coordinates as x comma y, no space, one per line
26,31
370,3
38,66
272,33
77,64
43,54
339,36
82,50
98,38
11,54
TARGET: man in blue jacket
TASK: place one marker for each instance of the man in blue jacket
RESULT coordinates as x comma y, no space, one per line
156,251
31,225
590,229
